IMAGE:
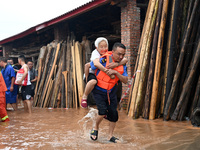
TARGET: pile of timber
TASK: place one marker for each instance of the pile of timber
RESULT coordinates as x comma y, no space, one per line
167,81
60,74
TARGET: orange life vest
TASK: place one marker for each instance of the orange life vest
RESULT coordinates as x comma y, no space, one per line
3,87
104,81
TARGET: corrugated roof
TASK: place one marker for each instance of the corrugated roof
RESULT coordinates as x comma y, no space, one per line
84,8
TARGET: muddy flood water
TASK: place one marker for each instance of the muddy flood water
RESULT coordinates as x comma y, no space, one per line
49,129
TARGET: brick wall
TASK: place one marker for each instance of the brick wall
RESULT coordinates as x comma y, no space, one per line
130,36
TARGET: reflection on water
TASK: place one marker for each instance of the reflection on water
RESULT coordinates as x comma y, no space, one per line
69,129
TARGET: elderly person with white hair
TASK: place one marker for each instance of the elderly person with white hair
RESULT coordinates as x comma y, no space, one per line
101,45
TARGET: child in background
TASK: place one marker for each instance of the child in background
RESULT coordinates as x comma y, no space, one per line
101,45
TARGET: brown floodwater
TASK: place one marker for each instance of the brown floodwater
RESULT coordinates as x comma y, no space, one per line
58,129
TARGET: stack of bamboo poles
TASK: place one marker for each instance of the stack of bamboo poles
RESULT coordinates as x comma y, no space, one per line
167,81
60,74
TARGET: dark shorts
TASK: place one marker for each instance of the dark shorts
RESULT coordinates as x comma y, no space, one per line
91,76
103,106
32,92
26,92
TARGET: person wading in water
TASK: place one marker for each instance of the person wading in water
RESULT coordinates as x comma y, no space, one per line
105,91
23,78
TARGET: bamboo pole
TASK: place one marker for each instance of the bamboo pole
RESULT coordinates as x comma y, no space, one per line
152,64
188,82
180,62
146,31
158,61
142,82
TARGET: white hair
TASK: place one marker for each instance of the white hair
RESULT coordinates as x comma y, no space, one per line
98,40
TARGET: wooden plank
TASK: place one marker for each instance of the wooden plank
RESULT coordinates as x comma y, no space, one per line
63,95
43,52
79,71
74,73
58,80
51,72
27,56
44,75
48,93
66,87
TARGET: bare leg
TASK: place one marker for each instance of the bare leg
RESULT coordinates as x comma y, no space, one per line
98,121
89,87
31,101
28,102
111,130
25,106
14,106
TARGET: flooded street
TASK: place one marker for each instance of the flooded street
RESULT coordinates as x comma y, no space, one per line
59,129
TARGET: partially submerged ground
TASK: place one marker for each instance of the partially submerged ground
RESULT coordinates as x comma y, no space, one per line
59,129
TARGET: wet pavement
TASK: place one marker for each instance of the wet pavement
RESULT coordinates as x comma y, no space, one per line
49,129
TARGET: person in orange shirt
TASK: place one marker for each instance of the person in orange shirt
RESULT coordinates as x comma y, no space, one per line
3,89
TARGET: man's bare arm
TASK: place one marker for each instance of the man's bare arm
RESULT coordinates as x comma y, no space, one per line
122,78
116,64
34,80
12,84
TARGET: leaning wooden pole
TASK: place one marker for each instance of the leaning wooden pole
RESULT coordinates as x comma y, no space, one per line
157,71
40,65
137,60
188,82
180,62
51,73
167,57
141,88
170,67
196,97
74,74
146,31
152,64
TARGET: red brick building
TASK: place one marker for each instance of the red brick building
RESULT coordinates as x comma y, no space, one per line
117,20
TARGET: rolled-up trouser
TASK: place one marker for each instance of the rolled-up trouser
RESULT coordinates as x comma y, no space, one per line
3,112
103,106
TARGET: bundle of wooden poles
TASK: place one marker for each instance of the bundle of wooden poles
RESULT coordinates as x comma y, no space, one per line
60,74
167,81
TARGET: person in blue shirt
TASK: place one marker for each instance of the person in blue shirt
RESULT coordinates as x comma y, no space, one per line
105,91
9,78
